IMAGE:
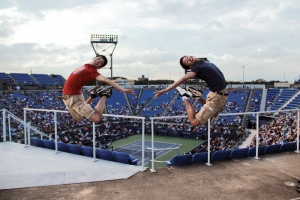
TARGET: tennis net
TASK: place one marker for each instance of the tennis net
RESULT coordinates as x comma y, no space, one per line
133,151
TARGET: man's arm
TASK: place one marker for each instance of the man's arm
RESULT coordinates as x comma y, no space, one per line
187,76
106,80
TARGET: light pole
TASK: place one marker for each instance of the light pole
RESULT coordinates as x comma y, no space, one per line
283,77
243,75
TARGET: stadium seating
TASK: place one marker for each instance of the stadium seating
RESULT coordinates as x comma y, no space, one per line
239,153
288,147
105,154
37,142
87,151
44,79
75,149
221,155
49,144
270,149
179,160
201,157
23,79
252,151
58,79
61,146
124,158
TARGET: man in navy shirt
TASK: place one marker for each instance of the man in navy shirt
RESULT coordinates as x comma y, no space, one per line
215,80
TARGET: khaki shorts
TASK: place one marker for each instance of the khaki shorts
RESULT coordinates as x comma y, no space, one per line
215,103
77,107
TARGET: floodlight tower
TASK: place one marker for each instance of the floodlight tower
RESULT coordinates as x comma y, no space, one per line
104,45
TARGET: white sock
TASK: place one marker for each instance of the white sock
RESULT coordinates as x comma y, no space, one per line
184,97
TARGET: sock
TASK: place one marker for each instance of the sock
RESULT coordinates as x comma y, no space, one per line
184,97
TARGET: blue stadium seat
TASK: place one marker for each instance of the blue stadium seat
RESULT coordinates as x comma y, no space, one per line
75,149
290,146
221,155
239,153
49,144
252,151
87,151
201,157
272,149
180,160
37,142
104,154
61,146
124,158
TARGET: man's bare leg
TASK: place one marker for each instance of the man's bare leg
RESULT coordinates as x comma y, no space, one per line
99,109
191,112
89,100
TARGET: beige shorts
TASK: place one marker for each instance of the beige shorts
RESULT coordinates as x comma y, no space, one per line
77,107
215,103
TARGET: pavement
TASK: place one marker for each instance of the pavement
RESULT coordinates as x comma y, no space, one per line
273,176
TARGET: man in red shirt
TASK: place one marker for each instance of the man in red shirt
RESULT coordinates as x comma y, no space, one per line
77,106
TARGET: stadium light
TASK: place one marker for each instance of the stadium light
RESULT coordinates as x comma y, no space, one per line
104,45
243,76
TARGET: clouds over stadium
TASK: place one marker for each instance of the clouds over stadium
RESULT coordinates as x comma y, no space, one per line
54,36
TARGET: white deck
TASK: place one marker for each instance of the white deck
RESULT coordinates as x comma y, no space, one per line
22,167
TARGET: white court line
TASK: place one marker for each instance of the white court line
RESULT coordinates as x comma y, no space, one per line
158,154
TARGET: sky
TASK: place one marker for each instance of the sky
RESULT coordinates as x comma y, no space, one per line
247,40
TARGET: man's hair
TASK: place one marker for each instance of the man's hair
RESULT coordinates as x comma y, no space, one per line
183,65
187,67
104,58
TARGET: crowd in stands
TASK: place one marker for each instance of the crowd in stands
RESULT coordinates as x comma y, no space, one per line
112,128
279,131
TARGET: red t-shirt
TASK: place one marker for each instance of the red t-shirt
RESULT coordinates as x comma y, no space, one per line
78,78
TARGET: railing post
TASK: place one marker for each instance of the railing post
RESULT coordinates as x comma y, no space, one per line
257,129
94,145
9,129
55,131
25,136
152,146
28,126
298,121
4,125
208,145
143,144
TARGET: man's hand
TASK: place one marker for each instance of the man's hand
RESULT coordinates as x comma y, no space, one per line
129,91
158,93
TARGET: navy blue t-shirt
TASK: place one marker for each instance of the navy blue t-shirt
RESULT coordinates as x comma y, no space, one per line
211,74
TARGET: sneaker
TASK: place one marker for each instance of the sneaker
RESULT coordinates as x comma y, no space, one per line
183,92
196,93
106,92
94,92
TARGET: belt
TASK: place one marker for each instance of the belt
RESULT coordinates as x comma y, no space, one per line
65,97
221,93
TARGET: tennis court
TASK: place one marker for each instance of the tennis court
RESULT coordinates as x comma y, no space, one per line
135,149
184,144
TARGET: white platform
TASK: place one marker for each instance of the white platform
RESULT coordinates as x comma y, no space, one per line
22,167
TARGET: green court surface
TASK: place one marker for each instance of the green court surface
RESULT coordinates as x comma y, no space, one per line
186,145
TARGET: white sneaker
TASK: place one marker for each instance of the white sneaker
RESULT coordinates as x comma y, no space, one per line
183,92
196,93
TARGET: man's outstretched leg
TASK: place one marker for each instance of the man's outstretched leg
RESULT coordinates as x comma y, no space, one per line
190,110
99,109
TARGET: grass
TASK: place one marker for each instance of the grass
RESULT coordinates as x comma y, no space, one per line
186,145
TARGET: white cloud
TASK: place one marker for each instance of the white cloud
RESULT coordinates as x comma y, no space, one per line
54,36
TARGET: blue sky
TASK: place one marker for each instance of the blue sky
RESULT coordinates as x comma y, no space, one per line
53,37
